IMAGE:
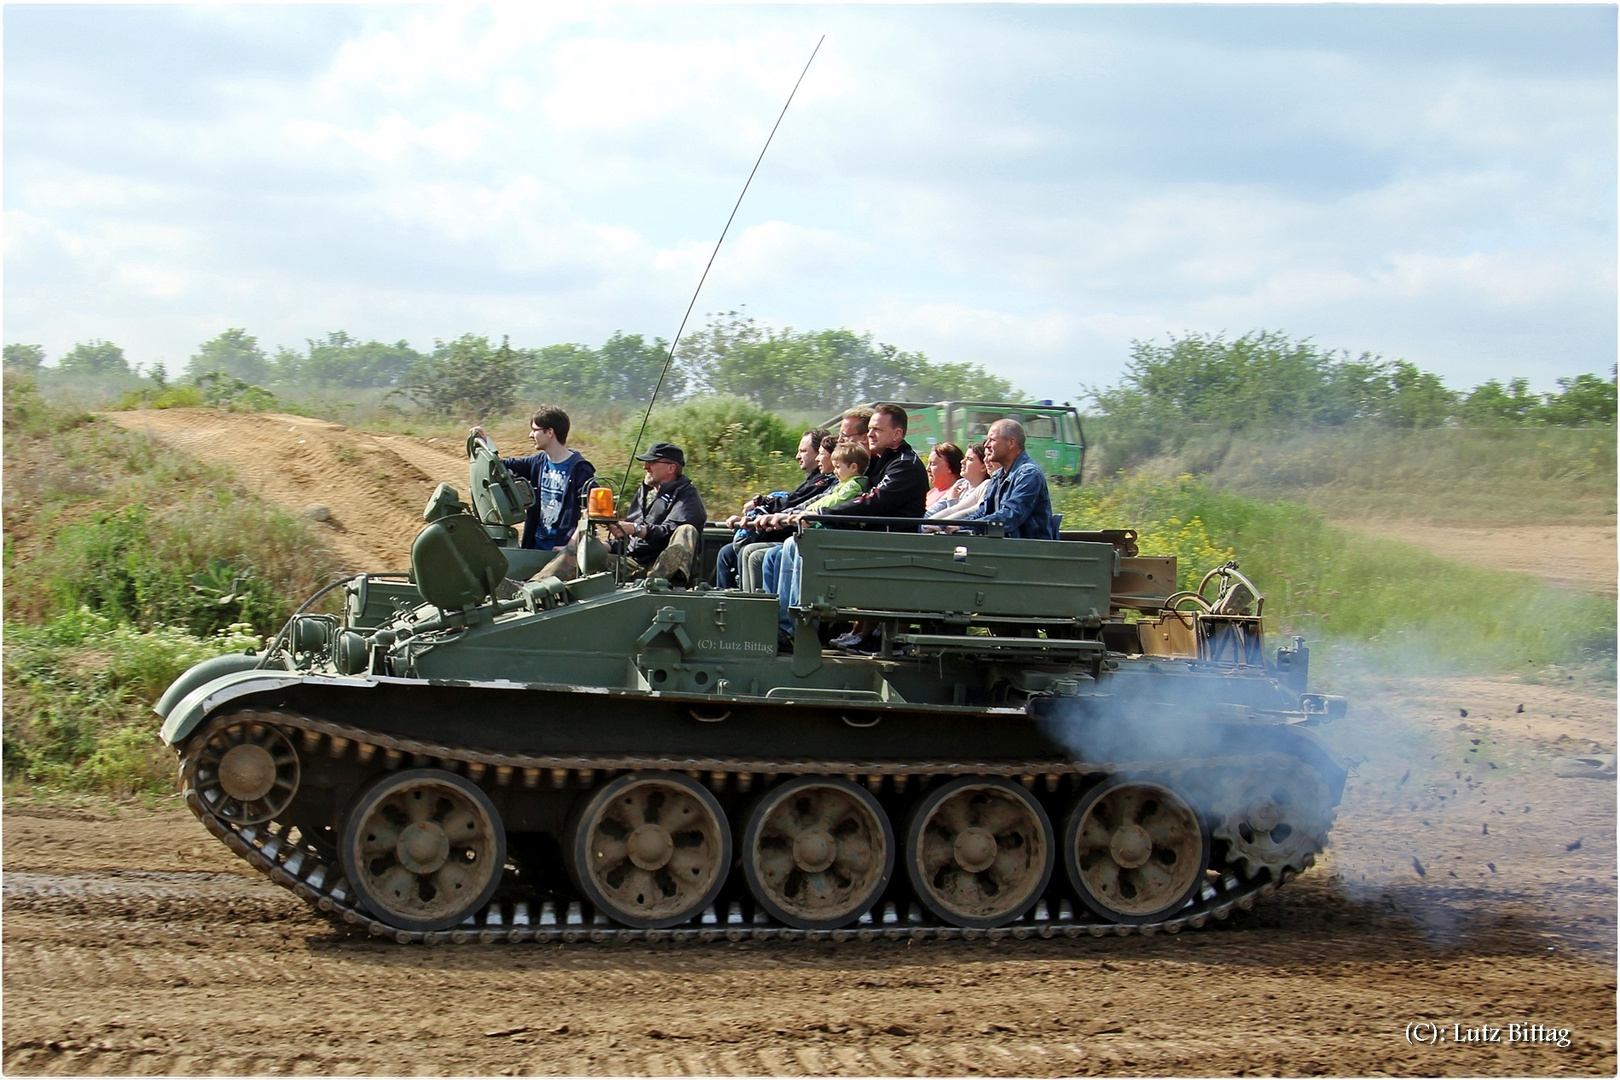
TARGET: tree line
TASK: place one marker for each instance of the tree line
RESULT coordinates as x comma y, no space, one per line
471,376
1196,382
1267,381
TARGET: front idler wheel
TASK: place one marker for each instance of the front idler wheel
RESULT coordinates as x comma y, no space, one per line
1135,851
650,850
817,852
979,851
246,771
423,849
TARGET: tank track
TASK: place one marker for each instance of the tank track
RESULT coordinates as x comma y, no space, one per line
297,865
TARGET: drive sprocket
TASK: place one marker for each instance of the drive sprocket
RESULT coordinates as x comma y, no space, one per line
1274,821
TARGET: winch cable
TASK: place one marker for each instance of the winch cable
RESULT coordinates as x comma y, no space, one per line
675,342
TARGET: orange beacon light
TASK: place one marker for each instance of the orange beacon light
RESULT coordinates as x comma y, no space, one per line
601,503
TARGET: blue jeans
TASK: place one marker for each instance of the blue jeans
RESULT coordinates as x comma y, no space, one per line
725,567
784,571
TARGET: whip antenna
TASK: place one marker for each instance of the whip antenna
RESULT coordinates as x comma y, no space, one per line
677,340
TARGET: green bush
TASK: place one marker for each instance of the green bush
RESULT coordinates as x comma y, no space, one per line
465,379
213,561
216,389
78,696
29,416
734,449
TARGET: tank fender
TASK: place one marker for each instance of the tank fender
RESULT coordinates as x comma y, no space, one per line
197,674
184,717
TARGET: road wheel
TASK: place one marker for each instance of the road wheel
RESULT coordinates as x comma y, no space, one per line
650,849
817,852
979,851
1135,851
423,848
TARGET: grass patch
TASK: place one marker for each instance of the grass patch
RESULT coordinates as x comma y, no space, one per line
1445,476
112,520
78,701
1405,609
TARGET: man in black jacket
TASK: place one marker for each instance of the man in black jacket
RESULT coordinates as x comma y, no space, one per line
899,478
899,489
661,533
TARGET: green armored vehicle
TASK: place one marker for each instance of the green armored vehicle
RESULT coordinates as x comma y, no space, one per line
1052,741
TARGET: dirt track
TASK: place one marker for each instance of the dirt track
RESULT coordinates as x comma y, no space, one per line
135,944
1579,557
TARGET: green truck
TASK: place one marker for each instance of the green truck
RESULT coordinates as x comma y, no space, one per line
1055,438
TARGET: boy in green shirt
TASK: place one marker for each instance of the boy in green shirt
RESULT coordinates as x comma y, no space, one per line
849,462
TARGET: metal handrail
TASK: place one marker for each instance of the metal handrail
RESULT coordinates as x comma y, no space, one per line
988,528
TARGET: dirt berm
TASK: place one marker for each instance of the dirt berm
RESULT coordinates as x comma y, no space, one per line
372,485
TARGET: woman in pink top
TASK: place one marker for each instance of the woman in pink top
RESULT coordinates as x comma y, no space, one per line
944,473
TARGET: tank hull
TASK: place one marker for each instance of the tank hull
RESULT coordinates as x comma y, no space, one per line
596,760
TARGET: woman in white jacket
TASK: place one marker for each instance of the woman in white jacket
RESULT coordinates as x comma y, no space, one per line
977,473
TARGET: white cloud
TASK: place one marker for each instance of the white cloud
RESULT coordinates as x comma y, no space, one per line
1027,188
781,253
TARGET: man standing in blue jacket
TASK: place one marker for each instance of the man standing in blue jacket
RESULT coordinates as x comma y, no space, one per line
1017,498
559,477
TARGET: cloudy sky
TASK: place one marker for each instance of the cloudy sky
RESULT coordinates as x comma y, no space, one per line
1025,187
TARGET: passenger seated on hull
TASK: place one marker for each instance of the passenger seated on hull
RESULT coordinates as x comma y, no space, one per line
752,563
852,426
976,473
729,563
783,565
1016,498
662,530
849,462
945,475
899,479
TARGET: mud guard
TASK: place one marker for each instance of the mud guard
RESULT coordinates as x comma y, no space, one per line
195,706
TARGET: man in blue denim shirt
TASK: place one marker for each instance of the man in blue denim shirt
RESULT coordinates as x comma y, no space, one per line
1017,498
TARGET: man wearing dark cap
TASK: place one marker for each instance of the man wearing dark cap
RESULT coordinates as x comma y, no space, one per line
663,525
661,532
